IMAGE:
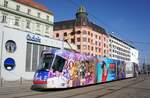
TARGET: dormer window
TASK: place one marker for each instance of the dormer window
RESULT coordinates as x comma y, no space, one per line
38,14
28,24
18,7
5,3
29,11
4,19
47,18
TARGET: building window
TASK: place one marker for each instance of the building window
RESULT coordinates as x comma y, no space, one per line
5,3
91,41
104,45
78,32
34,57
16,21
91,34
95,36
95,42
47,28
84,39
4,19
104,51
78,46
28,57
84,32
28,24
104,39
99,43
96,49
47,18
84,46
88,32
57,35
38,14
72,40
29,11
92,48
78,40
88,47
65,34
72,33
38,26
99,50
99,37
64,26
18,7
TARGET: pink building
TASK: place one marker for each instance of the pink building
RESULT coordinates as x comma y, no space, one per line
89,37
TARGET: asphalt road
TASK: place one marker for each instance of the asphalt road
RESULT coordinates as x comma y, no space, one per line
129,88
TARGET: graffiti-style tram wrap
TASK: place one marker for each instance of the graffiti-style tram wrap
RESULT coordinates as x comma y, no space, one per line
64,69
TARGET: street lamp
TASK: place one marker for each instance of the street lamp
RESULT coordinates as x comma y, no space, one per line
1,51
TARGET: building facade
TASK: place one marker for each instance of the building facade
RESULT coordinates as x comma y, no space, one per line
26,29
90,38
27,15
121,50
134,55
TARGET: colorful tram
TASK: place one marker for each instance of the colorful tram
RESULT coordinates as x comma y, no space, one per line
64,69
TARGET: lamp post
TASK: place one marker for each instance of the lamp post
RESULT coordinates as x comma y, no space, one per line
62,44
1,51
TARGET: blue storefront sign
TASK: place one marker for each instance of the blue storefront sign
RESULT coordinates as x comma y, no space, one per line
32,37
9,64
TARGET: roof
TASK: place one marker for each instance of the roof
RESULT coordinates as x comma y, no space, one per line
33,4
69,24
121,41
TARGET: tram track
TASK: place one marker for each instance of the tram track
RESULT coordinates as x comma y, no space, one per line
69,93
113,91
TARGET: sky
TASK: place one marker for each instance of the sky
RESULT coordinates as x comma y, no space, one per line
127,19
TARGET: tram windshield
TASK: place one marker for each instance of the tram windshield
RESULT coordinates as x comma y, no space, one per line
59,63
47,61
51,61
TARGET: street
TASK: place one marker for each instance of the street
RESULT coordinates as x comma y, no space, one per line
128,88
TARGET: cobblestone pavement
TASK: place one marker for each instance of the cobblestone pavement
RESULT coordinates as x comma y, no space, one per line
128,88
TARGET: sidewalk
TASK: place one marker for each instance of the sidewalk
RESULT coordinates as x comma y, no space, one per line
18,83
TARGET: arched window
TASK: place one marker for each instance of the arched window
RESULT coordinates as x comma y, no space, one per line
65,34
57,34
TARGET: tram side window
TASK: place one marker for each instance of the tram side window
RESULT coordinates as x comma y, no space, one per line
47,61
58,64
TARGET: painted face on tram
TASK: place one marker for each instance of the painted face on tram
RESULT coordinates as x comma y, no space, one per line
71,64
57,73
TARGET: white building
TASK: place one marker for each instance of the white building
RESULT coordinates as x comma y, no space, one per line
121,50
25,30
26,15
134,55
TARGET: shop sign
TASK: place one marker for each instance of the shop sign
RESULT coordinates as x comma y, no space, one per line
35,38
10,46
9,64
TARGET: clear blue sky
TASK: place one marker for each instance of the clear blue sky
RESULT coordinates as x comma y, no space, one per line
128,19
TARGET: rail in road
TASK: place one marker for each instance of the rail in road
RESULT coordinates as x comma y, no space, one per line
94,91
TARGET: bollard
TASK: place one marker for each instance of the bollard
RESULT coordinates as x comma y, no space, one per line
21,80
1,82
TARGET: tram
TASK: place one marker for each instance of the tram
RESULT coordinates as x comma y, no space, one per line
65,69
